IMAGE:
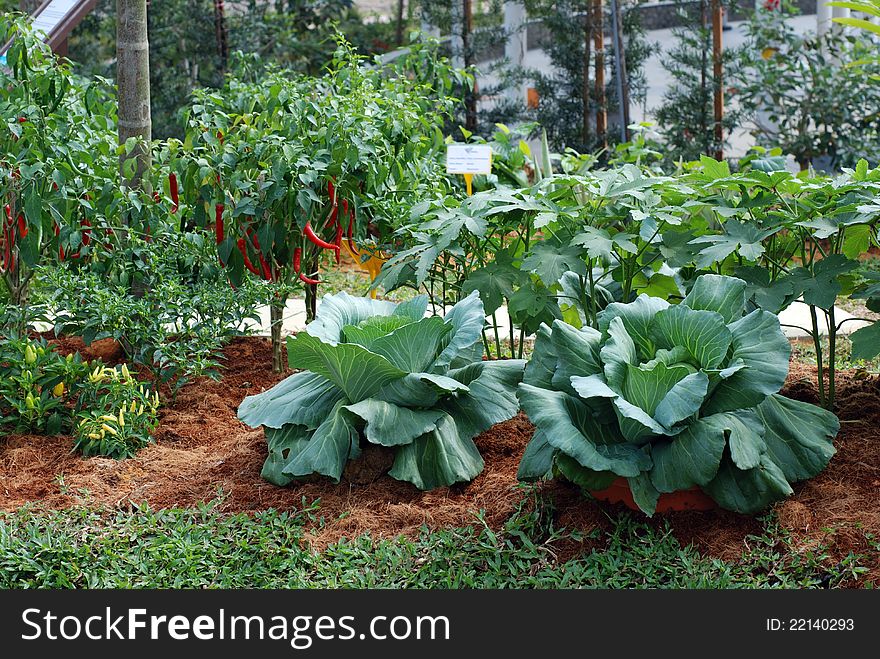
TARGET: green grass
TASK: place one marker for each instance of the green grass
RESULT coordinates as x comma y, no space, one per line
200,548
804,352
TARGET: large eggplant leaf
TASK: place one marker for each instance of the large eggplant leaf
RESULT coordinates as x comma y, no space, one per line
392,425
439,458
337,311
328,449
537,459
758,341
724,295
702,333
467,319
413,347
490,398
569,426
798,436
748,491
358,372
285,444
303,398
371,329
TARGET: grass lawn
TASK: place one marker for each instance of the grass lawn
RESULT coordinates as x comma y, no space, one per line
199,548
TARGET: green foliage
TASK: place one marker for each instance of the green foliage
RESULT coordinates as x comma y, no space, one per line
383,373
189,50
686,116
203,548
107,410
805,99
36,386
672,397
174,324
565,109
117,415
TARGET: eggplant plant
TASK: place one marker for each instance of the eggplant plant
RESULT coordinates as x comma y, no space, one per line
383,373
672,397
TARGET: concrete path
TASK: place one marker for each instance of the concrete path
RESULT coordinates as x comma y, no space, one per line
795,320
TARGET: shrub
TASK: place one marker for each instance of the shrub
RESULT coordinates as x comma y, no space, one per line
672,397
383,373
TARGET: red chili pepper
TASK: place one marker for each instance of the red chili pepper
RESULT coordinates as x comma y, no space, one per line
8,209
22,227
218,222
247,262
297,259
172,183
22,120
267,271
309,280
156,196
346,211
338,243
312,236
220,136
87,233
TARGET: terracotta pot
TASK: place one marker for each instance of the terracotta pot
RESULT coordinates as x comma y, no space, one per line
692,499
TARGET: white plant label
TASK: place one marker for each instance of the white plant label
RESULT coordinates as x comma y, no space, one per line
468,159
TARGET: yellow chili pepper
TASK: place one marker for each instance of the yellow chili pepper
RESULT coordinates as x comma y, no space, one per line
29,401
29,355
107,428
58,390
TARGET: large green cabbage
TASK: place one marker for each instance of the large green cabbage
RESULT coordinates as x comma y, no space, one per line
384,373
671,397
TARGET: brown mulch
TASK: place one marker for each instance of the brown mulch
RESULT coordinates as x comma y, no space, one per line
203,452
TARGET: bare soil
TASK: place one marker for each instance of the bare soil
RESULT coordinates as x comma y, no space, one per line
203,453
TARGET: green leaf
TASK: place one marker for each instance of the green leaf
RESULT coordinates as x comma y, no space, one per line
691,457
637,317
683,400
371,329
438,459
586,479
413,347
412,309
724,295
577,353
490,398
393,425
866,342
328,449
596,241
550,262
702,333
303,398
644,494
542,365
748,491
745,239
358,372
467,318
337,311
618,352
419,389
537,459
495,284
714,169
532,305
570,427
758,341
646,388
285,444
798,436
822,286
745,437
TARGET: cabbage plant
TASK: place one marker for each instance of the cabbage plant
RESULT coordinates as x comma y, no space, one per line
374,371
671,397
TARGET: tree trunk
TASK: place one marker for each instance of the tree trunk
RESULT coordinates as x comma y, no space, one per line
601,106
399,31
276,315
133,82
470,100
585,80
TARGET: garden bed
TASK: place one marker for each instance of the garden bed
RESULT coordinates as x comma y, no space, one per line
204,453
